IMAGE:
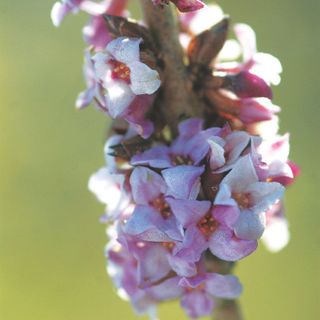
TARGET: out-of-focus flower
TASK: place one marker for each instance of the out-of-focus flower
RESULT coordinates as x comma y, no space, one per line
198,293
122,268
183,5
276,235
263,65
64,7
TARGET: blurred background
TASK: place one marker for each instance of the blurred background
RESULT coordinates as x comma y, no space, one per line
51,243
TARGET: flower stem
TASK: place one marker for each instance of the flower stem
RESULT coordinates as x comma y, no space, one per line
227,310
179,100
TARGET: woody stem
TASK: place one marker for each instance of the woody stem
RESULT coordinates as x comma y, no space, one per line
227,310
179,100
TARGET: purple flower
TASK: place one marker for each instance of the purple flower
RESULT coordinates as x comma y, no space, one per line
242,191
61,9
152,219
210,227
189,149
64,7
109,189
122,74
120,84
122,268
272,163
263,65
226,149
198,293
155,261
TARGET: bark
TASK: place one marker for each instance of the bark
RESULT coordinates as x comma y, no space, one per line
179,100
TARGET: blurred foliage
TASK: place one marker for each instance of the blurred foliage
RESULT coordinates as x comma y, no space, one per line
51,244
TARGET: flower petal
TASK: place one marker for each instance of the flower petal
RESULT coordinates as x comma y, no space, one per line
144,80
250,225
157,157
242,175
247,38
183,181
217,158
152,260
146,185
188,212
147,224
182,267
276,235
223,286
168,289
226,246
124,49
264,194
226,215
197,304
190,127
193,245
118,97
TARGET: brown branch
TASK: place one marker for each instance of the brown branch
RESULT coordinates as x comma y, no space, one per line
179,100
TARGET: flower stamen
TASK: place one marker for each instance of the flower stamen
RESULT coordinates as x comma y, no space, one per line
207,225
243,199
120,71
162,206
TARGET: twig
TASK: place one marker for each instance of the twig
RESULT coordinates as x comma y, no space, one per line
179,100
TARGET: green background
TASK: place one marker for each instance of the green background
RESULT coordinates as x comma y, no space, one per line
51,243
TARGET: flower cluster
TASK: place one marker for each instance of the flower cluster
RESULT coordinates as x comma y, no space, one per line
210,191
182,199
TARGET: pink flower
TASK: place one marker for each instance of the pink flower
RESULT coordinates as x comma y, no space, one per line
122,75
64,7
263,65
276,235
198,293
119,84
242,191
183,5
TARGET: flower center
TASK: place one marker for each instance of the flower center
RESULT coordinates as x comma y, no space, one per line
120,71
168,245
243,199
162,206
200,287
207,225
178,160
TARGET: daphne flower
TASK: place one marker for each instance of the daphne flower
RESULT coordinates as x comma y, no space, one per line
276,235
188,149
198,293
122,74
109,189
274,153
155,260
119,84
152,219
242,191
122,268
207,227
263,65
61,9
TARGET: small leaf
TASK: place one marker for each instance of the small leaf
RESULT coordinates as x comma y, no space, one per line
204,47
